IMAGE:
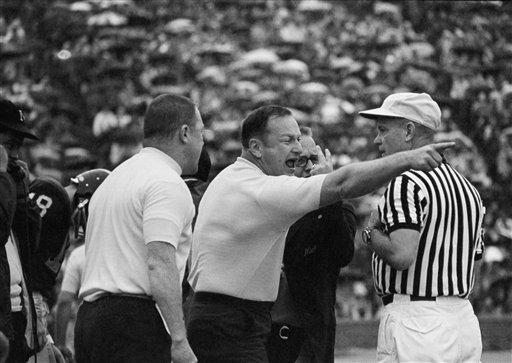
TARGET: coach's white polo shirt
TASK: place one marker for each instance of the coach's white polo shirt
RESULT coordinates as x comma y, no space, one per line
241,229
144,199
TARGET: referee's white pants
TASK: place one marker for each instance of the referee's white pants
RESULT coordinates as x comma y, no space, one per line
445,330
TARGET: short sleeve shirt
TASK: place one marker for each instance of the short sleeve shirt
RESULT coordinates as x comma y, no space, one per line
241,228
403,205
143,200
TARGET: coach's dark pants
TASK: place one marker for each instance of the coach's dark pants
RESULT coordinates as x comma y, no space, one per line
121,329
228,329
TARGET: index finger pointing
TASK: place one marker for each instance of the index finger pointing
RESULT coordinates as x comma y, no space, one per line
440,146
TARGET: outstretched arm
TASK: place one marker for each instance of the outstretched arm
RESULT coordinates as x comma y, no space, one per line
358,179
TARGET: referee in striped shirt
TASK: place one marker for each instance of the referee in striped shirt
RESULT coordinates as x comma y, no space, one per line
426,236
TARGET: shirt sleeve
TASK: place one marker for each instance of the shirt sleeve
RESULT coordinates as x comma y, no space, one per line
402,205
288,198
71,279
167,212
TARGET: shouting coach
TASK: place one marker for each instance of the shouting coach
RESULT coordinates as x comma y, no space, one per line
242,224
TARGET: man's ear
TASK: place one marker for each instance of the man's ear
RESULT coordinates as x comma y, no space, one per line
184,133
255,148
410,131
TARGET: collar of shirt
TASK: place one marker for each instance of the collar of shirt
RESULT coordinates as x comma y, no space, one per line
248,163
164,157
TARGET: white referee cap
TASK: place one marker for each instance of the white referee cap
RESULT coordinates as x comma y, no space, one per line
416,107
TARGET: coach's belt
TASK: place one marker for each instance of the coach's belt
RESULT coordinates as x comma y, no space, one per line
123,295
215,298
388,299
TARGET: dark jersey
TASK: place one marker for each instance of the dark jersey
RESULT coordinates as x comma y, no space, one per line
52,203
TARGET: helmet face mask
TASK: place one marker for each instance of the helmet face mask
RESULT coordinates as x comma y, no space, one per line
79,218
86,184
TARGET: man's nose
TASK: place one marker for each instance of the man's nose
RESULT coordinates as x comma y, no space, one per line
377,140
297,147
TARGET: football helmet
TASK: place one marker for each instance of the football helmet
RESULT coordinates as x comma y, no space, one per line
86,184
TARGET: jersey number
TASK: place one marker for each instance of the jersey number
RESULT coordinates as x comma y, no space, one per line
43,202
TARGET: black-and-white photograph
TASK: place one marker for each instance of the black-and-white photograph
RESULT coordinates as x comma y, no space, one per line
255,181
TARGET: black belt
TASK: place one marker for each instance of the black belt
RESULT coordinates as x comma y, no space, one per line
123,295
212,297
388,299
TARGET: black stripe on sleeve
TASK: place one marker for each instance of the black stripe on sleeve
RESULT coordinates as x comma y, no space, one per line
403,199
417,205
391,201
403,206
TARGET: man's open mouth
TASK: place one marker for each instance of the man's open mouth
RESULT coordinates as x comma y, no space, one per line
290,163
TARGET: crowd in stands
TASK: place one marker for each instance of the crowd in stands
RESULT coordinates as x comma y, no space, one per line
83,72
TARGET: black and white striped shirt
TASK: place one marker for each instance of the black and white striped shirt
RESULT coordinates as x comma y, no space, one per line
448,212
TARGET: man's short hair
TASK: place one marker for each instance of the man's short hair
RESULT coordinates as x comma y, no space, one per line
166,114
306,131
255,124
425,131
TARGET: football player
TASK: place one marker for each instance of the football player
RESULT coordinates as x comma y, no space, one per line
80,192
